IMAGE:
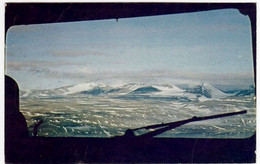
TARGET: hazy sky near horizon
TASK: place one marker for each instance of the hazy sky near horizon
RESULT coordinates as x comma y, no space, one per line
211,46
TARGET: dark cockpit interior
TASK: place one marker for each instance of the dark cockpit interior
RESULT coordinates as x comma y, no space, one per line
20,147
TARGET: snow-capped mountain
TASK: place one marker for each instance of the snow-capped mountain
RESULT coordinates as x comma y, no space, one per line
207,91
201,92
87,87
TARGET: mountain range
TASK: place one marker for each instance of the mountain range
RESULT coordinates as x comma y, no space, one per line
202,91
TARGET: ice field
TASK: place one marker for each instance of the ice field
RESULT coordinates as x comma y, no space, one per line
107,114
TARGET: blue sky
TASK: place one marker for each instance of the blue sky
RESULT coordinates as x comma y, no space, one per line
213,47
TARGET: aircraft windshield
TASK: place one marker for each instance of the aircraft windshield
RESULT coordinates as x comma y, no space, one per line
100,78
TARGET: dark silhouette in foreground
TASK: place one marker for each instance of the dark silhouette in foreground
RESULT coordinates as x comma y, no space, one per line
15,124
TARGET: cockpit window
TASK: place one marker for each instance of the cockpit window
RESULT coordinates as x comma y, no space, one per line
100,78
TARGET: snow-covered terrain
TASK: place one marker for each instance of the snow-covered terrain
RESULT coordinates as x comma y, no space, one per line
100,110
200,92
